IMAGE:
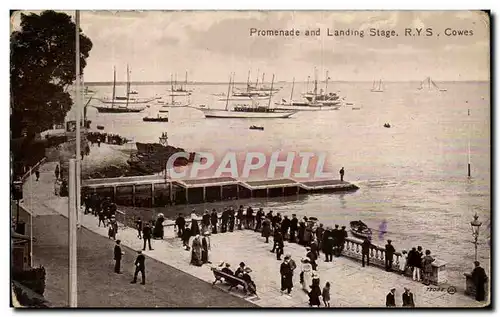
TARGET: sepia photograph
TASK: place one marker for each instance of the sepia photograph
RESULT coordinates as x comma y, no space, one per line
250,159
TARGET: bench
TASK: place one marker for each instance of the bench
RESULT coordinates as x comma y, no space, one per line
230,279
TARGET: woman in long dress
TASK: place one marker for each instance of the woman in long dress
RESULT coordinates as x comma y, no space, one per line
403,262
306,275
196,251
266,229
427,267
205,247
195,229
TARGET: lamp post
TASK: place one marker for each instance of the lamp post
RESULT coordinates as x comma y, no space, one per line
475,224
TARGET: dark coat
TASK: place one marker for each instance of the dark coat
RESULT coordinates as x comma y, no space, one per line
278,239
227,271
206,219
240,214
266,228
139,262
314,295
390,301
146,232
285,225
194,228
118,252
365,247
294,224
389,251
413,259
408,300
214,218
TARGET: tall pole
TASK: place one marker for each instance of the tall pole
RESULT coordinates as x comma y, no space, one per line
72,293
291,94
475,248
78,101
468,147
271,95
31,218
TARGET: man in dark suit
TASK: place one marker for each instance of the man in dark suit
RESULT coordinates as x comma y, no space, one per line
294,226
389,254
118,256
479,277
390,300
140,267
408,298
180,223
214,219
146,235
365,252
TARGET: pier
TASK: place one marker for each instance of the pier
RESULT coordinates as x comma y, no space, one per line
157,191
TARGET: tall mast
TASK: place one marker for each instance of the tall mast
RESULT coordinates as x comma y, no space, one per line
172,87
263,76
186,83
114,87
257,81
228,91
128,84
468,143
271,95
307,84
248,81
291,94
175,80
315,86
326,83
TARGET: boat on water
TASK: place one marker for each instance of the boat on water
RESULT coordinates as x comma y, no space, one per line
133,92
121,104
387,125
253,110
254,127
360,230
158,118
309,104
174,103
356,108
377,86
180,91
429,85
162,110
100,127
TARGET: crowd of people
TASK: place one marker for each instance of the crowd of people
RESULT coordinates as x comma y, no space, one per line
101,137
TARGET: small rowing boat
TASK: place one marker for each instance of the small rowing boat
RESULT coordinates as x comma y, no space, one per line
253,127
360,230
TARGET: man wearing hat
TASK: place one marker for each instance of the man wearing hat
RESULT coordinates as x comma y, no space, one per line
258,219
390,300
342,236
480,278
389,253
336,240
227,270
294,226
118,256
214,219
205,221
328,244
286,276
312,257
225,220
140,267
408,298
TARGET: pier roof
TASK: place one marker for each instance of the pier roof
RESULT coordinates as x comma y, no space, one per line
269,183
324,184
207,182
120,181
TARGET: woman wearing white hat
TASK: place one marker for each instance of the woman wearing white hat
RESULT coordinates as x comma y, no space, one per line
306,275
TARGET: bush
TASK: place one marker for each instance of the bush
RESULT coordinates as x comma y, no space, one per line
29,299
33,279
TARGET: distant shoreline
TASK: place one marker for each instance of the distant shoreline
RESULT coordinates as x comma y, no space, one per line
145,83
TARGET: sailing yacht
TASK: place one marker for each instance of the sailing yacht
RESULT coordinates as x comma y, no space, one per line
118,104
247,95
253,110
180,91
429,84
377,86
173,103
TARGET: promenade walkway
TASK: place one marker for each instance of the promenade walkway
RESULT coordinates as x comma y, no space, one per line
351,284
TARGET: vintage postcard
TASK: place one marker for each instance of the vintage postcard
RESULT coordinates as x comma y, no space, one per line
252,159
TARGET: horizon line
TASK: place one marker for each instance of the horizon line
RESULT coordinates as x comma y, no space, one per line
97,83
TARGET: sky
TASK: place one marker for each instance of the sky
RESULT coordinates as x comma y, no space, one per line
209,45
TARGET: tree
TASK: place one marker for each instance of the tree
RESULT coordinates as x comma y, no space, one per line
42,68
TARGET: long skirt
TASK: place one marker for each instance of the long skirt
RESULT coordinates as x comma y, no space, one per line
204,256
196,258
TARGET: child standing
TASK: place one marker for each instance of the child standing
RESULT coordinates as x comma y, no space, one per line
403,262
326,294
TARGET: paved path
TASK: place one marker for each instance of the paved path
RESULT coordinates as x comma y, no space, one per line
351,285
